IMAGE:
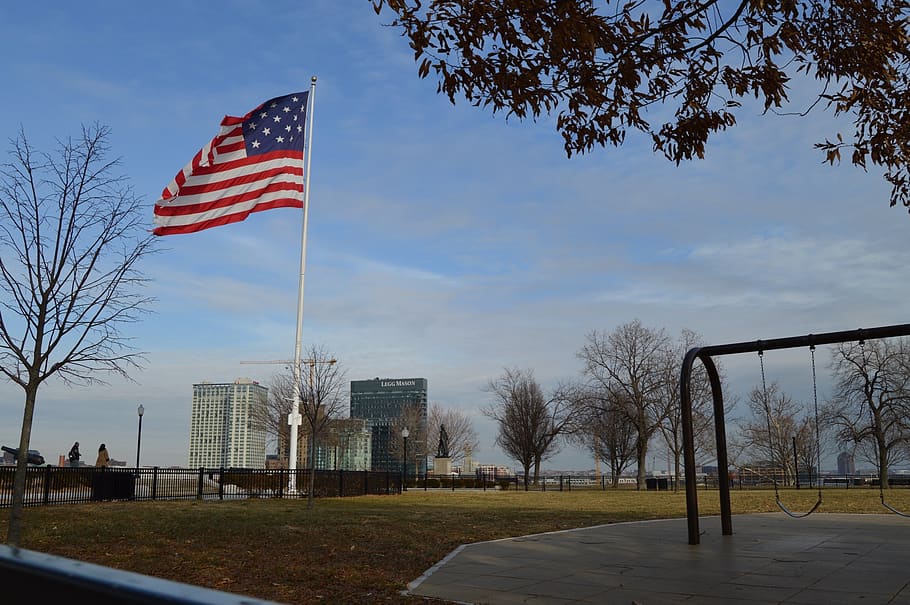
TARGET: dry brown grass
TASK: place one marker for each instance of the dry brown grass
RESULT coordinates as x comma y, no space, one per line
354,550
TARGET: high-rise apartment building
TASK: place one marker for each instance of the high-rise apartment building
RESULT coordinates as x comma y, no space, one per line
227,427
383,402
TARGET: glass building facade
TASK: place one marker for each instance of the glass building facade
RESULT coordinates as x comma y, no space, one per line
382,403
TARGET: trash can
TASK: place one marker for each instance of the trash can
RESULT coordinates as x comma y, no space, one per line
108,484
651,482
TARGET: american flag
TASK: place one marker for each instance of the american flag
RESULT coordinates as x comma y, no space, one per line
255,163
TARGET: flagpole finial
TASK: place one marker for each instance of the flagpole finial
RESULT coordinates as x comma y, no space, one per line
313,79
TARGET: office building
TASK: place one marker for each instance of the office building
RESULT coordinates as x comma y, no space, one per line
385,403
845,464
227,426
344,444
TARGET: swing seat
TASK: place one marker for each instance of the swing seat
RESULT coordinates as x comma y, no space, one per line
892,509
781,506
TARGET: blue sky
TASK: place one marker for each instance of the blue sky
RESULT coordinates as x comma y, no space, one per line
444,242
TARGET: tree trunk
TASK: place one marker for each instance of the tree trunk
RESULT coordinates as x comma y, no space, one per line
615,470
14,531
642,462
676,471
309,497
882,464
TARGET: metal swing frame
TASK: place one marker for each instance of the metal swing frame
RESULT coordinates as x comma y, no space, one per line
706,355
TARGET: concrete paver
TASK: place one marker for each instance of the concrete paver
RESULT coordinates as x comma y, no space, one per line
771,558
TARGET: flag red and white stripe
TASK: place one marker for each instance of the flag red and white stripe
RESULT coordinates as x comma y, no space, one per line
255,163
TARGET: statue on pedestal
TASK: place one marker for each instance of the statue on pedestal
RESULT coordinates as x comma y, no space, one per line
442,450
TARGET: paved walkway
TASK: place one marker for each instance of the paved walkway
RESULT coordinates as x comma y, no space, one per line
771,558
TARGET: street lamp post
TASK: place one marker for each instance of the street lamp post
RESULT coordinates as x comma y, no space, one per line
404,466
140,410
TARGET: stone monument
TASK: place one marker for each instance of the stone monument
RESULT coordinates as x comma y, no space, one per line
442,464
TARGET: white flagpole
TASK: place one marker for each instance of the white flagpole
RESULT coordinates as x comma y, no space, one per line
294,418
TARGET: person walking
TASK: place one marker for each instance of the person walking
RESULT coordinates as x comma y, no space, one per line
74,454
104,459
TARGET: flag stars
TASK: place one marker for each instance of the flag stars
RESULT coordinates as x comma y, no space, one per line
286,109
279,139
295,99
266,131
299,128
277,118
255,144
287,128
263,115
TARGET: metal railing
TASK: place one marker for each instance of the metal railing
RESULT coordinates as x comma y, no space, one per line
50,579
65,485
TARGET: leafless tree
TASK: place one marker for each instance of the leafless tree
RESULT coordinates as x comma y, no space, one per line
604,67
600,425
323,393
870,405
72,234
412,418
529,422
631,361
776,422
273,417
702,402
459,427
809,442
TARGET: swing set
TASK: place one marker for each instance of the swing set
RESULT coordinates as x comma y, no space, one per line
706,355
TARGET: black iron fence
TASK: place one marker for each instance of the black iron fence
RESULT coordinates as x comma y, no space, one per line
742,478
67,485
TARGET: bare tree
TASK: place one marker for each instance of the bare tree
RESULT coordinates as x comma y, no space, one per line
870,406
323,397
605,66
776,421
702,402
273,417
600,425
631,361
412,418
71,236
529,422
809,444
459,427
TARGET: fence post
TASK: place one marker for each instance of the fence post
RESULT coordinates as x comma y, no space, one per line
154,482
341,483
560,483
47,484
199,483
221,483
453,482
366,480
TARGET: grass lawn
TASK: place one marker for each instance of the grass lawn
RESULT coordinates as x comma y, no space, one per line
356,550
